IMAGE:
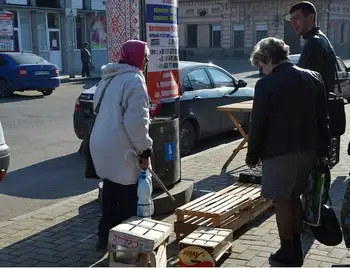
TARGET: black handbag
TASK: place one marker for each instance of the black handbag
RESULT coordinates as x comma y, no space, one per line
336,106
90,172
329,233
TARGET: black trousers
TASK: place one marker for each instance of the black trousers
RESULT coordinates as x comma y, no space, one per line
119,203
86,69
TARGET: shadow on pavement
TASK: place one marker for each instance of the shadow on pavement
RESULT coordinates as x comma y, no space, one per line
69,243
84,83
52,179
17,97
217,140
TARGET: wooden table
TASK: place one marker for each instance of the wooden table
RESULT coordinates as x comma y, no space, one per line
242,107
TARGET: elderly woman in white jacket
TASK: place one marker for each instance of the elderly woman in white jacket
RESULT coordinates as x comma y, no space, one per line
122,125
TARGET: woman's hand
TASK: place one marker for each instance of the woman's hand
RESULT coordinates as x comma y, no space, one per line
144,163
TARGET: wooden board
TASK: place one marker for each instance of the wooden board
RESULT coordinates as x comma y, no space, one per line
195,248
245,106
140,235
232,208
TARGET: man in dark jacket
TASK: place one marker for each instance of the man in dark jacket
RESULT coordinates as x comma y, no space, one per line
289,132
86,60
318,54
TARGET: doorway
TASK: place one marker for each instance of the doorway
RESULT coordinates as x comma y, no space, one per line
55,48
54,39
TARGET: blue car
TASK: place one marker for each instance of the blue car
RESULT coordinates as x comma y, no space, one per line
27,71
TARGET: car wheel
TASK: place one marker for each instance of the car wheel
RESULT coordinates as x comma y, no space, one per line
47,92
5,90
188,137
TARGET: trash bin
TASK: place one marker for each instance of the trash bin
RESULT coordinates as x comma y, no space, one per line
166,150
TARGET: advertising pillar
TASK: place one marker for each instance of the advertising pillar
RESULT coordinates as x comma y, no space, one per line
163,82
123,20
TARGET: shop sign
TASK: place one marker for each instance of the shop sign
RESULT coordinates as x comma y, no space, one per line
98,4
195,257
17,2
162,38
6,31
77,4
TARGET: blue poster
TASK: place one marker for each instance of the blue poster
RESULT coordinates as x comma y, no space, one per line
170,151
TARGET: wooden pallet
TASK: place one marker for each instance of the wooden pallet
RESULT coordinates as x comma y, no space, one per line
204,247
230,208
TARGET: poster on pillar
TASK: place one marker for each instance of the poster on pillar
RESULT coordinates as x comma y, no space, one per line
163,76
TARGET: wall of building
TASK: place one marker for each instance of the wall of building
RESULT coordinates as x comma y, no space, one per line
242,24
42,30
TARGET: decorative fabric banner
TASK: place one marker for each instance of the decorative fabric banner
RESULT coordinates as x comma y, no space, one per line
122,25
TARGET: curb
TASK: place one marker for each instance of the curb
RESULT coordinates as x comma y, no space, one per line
67,80
90,193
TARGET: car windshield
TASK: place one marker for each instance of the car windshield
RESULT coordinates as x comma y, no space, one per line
28,59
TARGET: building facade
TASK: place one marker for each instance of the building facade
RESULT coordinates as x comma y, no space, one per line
222,28
40,27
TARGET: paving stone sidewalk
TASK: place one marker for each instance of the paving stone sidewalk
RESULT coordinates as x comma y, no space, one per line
64,234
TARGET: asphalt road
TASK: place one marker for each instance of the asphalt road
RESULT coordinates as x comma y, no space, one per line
45,167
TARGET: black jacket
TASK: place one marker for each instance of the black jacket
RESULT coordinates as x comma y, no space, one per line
318,55
289,114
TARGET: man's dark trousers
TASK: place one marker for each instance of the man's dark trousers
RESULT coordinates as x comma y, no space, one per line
86,69
119,203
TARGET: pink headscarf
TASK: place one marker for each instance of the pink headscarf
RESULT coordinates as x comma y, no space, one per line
133,53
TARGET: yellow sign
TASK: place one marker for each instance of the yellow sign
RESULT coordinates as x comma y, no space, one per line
193,256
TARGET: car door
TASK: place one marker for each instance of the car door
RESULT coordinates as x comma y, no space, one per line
226,84
200,100
343,79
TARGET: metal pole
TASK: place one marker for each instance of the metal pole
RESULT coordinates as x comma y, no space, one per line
70,37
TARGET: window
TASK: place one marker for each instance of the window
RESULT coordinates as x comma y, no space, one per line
42,33
53,21
189,12
199,79
215,38
192,35
342,29
260,35
28,59
99,33
46,3
238,36
25,32
261,31
220,78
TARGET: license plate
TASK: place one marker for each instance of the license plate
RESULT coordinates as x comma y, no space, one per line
42,73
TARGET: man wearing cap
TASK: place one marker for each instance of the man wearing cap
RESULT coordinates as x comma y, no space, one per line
318,53
86,60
